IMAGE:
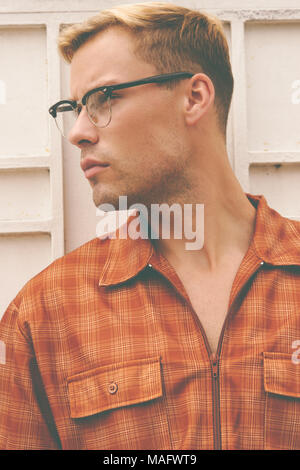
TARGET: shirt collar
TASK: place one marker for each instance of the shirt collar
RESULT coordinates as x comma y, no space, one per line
126,257
276,241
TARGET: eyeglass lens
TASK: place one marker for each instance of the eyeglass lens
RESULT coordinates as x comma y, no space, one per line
98,108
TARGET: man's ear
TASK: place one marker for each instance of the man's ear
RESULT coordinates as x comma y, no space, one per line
200,96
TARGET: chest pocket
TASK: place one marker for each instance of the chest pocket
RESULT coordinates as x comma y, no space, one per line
120,406
282,412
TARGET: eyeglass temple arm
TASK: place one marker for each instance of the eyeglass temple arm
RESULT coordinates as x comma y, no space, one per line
154,79
107,90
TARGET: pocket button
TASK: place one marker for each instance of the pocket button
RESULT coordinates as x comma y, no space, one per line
112,388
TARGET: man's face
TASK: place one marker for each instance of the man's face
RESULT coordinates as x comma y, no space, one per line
144,145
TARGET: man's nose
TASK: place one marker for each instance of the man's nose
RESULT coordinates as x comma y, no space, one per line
83,130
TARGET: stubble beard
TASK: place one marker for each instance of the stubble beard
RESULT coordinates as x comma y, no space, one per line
168,184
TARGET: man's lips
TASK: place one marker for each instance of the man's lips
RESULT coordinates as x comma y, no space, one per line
91,166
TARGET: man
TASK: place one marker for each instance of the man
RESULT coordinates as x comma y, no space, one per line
138,343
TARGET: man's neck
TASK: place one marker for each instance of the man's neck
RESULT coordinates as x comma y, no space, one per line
229,220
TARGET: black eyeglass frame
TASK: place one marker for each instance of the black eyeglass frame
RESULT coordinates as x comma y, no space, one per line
108,89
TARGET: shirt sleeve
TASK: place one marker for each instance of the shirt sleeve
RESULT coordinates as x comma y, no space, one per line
26,421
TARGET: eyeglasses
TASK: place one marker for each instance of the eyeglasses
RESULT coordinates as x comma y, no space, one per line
98,102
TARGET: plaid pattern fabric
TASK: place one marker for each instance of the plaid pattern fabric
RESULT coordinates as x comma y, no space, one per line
103,351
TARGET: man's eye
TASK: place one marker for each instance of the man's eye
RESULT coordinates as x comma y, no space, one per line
98,99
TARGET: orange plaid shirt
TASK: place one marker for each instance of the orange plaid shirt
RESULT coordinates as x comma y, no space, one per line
104,351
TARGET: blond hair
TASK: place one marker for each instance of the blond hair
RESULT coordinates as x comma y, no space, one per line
170,37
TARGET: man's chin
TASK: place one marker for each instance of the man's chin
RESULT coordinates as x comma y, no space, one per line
107,202
119,202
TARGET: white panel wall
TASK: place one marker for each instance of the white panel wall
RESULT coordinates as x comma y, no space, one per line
46,207
272,66
31,203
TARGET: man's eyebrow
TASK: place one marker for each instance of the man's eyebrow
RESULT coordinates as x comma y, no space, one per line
103,84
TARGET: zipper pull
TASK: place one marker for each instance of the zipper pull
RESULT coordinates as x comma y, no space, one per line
214,363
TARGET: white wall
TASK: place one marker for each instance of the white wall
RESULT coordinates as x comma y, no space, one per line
46,208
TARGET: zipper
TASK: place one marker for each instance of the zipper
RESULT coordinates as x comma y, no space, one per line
214,358
214,362
216,401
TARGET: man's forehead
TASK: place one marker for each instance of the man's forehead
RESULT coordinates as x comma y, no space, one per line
106,46
102,60
107,58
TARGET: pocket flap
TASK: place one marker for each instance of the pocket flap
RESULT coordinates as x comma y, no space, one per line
281,375
113,386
